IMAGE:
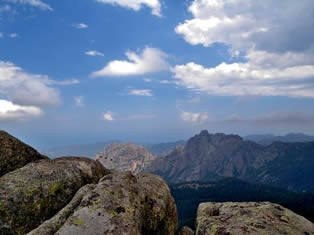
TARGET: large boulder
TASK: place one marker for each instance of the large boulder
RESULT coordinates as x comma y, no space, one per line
120,204
37,191
249,218
14,154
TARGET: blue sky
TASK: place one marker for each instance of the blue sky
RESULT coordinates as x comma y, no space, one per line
154,70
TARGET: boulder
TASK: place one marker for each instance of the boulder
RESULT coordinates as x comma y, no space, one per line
249,218
14,154
37,191
120,204
186,231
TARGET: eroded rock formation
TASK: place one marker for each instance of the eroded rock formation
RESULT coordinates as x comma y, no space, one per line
119,204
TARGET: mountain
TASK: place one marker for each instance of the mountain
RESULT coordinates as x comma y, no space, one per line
125,157
189,195
289,138
212,156
163,148
292,169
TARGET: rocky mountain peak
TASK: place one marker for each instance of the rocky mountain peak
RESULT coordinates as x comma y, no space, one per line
126,157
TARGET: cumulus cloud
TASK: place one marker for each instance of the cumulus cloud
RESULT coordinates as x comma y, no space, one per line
195,118
34,3
245,79
26,89
80,26
149,61
274,38
79,101
136,5
94,53
10,111
108,116
242,24
143,92
1,35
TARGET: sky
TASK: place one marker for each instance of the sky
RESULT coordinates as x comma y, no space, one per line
154,70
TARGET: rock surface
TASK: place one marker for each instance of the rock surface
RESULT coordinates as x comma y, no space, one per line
249,218
14,154
186,231
120,204
125,157
37,191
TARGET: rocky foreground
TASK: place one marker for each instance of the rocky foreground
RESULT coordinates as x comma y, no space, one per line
74,195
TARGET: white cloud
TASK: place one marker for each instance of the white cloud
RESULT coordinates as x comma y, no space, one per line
195,118
108,116
1,35
34,3
149,61
26,89
246,24
10,111
274,38
136,5
81,26
94,53
13,35
63,82
79,101
245,79
147,80
144,92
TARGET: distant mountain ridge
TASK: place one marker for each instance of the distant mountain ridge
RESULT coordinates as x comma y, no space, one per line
288,138
91,150
212,156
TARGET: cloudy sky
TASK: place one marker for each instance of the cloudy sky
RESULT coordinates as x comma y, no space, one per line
154,70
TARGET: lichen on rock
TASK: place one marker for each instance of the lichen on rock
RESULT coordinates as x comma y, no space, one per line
120,203
37,191
14,154
249,218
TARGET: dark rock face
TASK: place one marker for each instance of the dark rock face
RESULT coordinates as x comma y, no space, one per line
14,154
249,218
37,191
208,157
120,203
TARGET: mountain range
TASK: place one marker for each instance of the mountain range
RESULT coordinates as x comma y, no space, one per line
212,156
288,138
